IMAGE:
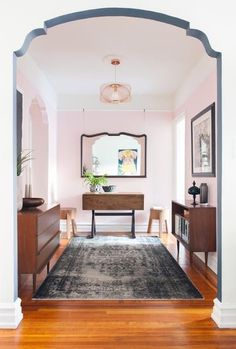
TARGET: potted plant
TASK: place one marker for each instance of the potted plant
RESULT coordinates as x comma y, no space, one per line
22,158
94,182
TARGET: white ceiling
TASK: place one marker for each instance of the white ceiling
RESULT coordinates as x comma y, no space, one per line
155,57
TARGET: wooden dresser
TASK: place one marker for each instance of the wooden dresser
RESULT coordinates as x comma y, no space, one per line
38,238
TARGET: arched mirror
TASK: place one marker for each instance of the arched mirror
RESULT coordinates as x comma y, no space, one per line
114,154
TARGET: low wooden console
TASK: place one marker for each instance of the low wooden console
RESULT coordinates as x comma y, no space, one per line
38,238
110,202
194,227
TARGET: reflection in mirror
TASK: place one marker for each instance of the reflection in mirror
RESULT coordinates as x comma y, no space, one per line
114,154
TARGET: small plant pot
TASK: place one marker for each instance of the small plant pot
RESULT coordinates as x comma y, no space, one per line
94,188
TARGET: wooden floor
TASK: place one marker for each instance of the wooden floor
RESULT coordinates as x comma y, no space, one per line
120,324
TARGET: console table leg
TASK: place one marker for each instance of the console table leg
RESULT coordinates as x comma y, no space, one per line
191,256
68,220
178,248
133,225
34,283
92,225
19,282
206,258
48,267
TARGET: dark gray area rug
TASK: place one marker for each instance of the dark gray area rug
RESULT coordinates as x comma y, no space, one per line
109,267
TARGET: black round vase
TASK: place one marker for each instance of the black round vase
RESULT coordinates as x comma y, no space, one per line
203,193
194,191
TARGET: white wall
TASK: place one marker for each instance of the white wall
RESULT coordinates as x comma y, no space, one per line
157,187
18,19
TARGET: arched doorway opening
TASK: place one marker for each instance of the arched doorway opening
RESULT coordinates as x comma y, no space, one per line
189,32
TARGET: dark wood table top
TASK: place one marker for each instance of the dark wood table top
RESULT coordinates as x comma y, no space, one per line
113,201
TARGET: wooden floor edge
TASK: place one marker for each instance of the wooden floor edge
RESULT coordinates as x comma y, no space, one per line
205,271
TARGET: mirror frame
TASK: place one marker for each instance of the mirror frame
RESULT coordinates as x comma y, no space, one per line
115,134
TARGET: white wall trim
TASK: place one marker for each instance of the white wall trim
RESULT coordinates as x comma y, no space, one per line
10,314
212,260
224,314
70,102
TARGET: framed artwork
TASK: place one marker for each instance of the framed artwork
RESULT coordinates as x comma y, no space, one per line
127,161
203,143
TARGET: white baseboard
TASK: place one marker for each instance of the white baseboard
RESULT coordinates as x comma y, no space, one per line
212,259
224,314
110,227
10,314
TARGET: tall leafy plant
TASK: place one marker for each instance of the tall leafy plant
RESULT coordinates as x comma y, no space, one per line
22,159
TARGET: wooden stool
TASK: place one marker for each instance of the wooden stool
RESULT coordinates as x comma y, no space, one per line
69,214
159,214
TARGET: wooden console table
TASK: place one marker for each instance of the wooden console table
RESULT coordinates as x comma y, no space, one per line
110,202
194,227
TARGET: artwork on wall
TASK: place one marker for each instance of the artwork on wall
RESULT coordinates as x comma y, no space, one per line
127,161
114,154
203,143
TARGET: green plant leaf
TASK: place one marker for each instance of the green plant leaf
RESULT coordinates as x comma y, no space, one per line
90,179
22,158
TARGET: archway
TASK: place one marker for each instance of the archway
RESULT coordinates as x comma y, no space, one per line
189,32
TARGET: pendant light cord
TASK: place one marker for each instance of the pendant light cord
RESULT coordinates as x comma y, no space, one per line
115,73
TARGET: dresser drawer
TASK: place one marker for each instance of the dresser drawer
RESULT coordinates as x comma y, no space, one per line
46,253
47,235
46,219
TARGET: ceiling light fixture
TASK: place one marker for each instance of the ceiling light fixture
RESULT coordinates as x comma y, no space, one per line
115,92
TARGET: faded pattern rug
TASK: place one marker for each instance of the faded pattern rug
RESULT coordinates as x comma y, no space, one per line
107,267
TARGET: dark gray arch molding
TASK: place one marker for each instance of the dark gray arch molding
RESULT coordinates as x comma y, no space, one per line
125,12
29,37
160,17
104,12
198,34
116,11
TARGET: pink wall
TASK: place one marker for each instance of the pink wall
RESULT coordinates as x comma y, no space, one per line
40,140
39,121
157,187
203,96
